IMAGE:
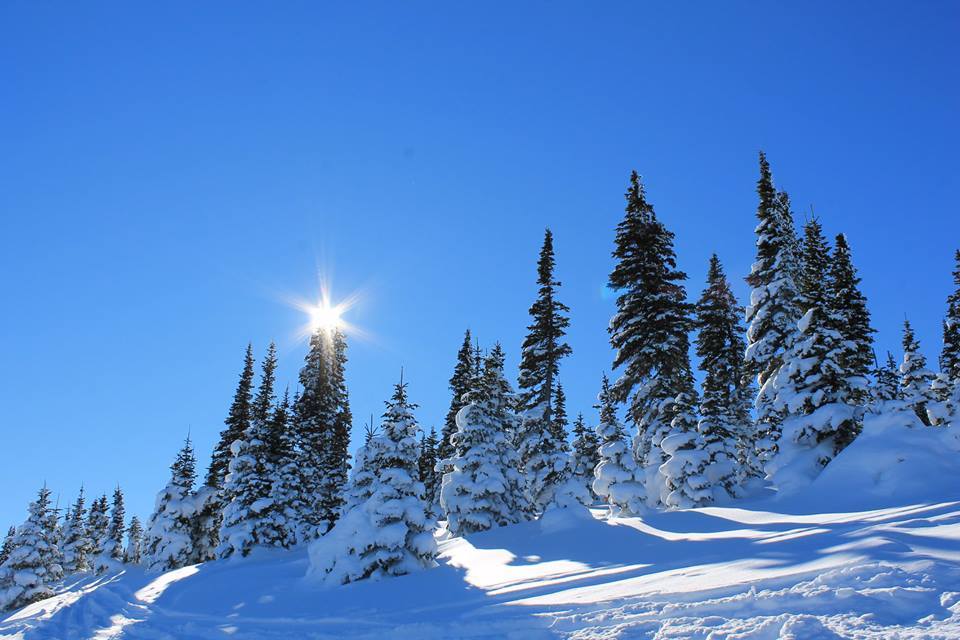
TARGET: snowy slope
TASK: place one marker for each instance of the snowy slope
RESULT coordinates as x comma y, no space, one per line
805,566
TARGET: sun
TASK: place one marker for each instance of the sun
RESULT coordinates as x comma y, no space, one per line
326,317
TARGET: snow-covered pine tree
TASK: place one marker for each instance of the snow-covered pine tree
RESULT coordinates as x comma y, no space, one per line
886,385
7,547
849,307
915,379
560,423
247,514
285,480
460,382
484,488
543,457
118,527
813,391
397,533
649,332
950,355
133,554
315,413
427,466
237,422
727,440
364,475
98,528
168,541
617,478
76,544
31,569
773,310
586,454
337,459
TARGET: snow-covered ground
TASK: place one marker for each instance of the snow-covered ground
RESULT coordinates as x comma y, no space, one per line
870,550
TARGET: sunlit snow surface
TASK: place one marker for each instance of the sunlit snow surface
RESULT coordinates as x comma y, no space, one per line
840,560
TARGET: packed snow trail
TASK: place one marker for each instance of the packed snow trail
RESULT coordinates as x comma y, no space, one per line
870,550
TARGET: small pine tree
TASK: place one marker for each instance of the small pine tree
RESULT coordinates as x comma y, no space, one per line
395,532
169,536
98,528
617,478
649,332
118,526
886,385
950,355
31,570
427,466
133,554
559,424
237,422
460,383
849,308
77,545
586,454
916,381
364,475
484,488
7,547
285,488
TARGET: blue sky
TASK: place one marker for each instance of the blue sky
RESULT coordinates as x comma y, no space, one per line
172,175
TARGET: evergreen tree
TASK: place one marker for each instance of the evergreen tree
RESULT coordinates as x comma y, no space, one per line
886,387
915,379
617,479
133,554
852,320
285,480
248,508
337,459
98,528
391,532
650,335
950,355
727,439
586,455
31,570
427,466
7,547
460,383
773,310
560,423
168,541
77,545
118,526
484,488
237,422
368,460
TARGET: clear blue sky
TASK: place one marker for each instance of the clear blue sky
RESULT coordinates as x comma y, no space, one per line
170,174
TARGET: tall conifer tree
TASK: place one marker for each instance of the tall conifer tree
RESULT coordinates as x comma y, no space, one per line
460,382
238,419
916,381
118,527
852,321
169,539
76,546
950,355
31,569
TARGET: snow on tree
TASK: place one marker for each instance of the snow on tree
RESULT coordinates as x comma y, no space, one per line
7,547
649,332
98,528
427,466
285,477
248,504
586,454
460,383
364,476
77,544
727,438
484,488
133,554
773,310
852,318
617,478
950,355
916,381
31,569
118,527
337,465
885,393
543,458
168,541
391,532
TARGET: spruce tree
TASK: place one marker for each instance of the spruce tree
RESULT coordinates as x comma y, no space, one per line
427,467
852,320
950,355
483,488
77,545
364,473
133,554
98,528
586,455
285,489
7,547
396,532
886,387
559,423
915,379
31,569
247,514
460,383
168,541
649,332
773,310
617,479
337,459
727,439
237,422
118,527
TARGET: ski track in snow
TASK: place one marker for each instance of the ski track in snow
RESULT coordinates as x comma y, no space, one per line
713,573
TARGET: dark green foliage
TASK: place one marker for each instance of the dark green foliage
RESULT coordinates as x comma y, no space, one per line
852,321
460,382
238,419
427,464
118,527
950,355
